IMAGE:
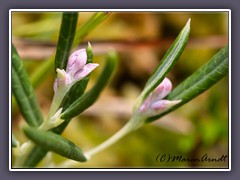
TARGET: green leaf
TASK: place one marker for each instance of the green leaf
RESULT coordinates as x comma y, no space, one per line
201,80
166,64
91,96
65,39
23,92
14,141
56,143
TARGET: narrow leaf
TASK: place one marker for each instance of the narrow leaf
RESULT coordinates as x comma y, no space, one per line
65,39
23,92
166,64
205,77
56,143
91,96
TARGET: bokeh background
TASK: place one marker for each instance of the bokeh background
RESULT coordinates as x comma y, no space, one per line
141,39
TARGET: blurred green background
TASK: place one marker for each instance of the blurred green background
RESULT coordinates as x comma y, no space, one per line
141,39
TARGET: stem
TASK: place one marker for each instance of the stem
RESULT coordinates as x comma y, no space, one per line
134,123
113,139
56,102
57,99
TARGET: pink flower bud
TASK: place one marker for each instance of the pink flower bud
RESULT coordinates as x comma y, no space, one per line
76,62
76,70
154,104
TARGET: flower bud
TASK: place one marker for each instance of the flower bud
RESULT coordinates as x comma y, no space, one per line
76,70
154,104
76,61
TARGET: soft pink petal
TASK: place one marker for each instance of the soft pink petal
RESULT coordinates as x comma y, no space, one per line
76,61
163,105
86,70
162,90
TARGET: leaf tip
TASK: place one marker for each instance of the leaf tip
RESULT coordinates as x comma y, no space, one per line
188,22
89,46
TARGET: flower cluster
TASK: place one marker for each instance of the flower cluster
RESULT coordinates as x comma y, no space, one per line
76,70
154,103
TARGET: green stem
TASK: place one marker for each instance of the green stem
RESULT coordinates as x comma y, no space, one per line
56,102
134,123
113,139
